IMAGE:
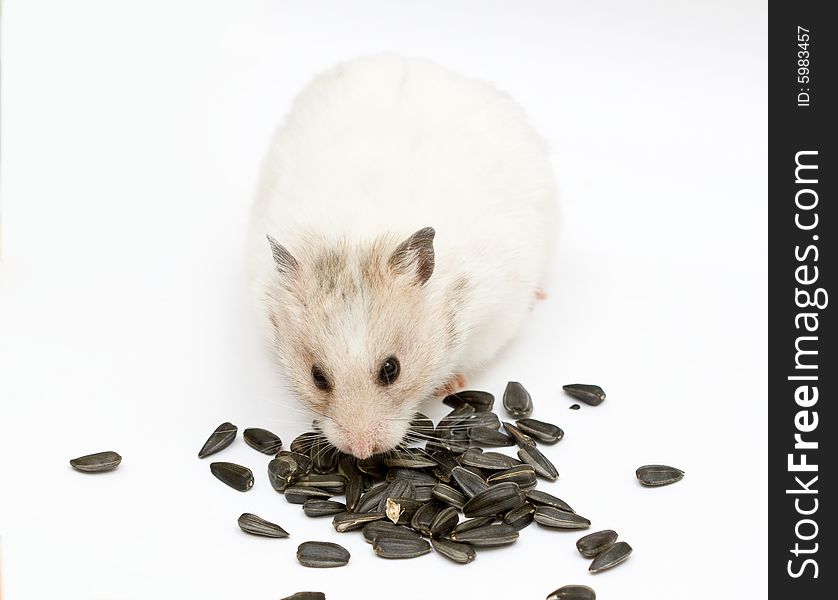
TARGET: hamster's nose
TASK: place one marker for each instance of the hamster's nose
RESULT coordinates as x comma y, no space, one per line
363,442
364,448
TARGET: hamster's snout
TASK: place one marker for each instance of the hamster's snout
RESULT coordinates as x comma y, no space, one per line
364,448
364,441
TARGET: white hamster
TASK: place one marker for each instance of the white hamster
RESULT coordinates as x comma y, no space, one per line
398,239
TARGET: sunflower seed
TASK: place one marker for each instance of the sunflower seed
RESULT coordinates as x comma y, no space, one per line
543,432
423,517
322,554
306,596
324,456
574,407
299,495
594,543
452,401
347,466
372,498
346,521
331,482
262,440
540,498
401,510
302,443
222,437
499,498
456,551
481,401
449,495
549,516
494,461
589,394
488,535
517,400
520,517
236,476
523,475
373,466
460,414
450,445
448,431
542,465
471,483
354,489
254,525
459,435
477,471
453,423
409,459
474,523
399,488
573,592
656,475
486,436
483,419
400,547
282,471
370,483
302,460
423,494
417,478
445,464
322,508
375,529
611,557
521,438
444,521
96,463
421,427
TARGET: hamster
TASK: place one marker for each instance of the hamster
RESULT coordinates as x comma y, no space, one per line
399,235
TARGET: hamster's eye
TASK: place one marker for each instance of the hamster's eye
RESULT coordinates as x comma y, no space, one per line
389,371
319,379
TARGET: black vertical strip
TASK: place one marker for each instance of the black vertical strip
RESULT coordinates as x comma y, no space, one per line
803,169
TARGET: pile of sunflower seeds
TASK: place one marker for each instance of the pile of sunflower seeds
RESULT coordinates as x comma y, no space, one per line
410,500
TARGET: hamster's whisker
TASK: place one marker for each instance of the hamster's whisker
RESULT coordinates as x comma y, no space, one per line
298,409
419,436
301,410
316,438
321,452
414,451
416,439
422,436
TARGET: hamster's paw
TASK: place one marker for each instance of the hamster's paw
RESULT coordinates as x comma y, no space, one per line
455,384
539,294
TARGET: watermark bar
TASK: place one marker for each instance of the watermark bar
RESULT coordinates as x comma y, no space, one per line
803,170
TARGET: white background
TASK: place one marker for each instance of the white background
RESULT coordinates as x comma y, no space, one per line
132,138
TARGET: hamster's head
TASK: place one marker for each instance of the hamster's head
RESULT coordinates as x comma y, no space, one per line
361,336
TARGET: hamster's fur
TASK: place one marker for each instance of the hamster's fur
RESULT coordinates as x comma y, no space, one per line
410,211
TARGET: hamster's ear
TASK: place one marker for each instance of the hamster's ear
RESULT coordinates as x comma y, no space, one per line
285,263
415,256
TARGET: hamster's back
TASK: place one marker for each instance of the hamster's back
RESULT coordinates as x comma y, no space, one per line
398,143
390,145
